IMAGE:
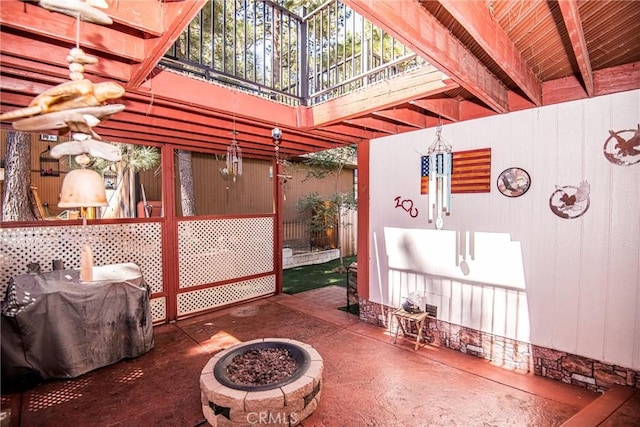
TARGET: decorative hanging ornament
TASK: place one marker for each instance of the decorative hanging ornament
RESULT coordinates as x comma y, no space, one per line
234,159
440,168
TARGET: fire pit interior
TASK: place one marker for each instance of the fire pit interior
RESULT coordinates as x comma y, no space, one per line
261,366
265,381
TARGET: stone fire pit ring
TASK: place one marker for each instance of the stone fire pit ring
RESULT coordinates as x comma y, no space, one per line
285,403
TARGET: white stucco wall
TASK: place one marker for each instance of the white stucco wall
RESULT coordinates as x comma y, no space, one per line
568,284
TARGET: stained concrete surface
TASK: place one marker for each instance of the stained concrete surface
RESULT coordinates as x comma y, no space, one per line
368,380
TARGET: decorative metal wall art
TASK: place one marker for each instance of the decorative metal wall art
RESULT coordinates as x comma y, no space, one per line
623,147
570,201
513,182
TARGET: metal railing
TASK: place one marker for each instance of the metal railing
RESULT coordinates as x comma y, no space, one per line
262,48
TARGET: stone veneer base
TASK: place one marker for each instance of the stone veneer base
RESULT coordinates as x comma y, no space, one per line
557,365
287,405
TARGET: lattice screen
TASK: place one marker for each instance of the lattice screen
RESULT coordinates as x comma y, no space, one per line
158,309
222,249
140,243
202,299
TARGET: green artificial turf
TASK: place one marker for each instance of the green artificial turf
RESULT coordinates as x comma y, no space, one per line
307,277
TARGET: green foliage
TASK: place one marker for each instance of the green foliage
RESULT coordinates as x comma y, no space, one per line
330,163
135,157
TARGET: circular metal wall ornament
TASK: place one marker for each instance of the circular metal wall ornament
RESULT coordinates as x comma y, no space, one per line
513,182
623,147
569,201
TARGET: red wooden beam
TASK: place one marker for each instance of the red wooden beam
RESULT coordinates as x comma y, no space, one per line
377,124
443,107
353,131
571,16
404,115
177,16
412,24
183,91
18,51
476,19
415,84
61,30
146,16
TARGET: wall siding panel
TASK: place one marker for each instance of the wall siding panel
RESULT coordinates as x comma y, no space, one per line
581,290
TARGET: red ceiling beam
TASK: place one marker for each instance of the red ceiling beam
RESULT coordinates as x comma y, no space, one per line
476,19
571,17
177,16
33,19
180,90
17,50
380,125
148,106
443,107
144,15
610,80
412,24
404,115
418,83
352,131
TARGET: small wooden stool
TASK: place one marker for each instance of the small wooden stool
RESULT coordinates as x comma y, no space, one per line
402,316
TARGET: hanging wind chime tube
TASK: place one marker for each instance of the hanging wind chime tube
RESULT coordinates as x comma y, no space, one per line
440,169
234,159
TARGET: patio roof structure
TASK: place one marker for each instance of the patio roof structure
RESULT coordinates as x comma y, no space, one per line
490,57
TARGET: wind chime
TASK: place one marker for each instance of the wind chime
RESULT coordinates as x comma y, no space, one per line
440,167
75,107
234,156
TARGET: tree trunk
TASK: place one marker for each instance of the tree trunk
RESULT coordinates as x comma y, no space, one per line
187,193
15,202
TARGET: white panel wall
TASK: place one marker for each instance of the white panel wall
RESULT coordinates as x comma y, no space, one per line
580,290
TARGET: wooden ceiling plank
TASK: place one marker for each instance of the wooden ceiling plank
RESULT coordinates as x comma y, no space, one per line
33,19
177,16
210,127
127,137
617,79
571,17
371,123
404,88
404,115
143,15
147,106
17,51
443,107
414,26
180,90
471,110
562,90
350,131
487,32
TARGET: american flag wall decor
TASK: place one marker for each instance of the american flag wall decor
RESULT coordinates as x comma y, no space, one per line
471,172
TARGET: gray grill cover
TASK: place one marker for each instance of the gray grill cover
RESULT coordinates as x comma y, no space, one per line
59,327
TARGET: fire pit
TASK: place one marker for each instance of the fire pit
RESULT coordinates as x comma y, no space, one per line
264,381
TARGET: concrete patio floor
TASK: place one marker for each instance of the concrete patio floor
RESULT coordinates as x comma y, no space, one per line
368,380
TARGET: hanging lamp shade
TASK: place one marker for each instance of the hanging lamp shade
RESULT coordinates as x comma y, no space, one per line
82,188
